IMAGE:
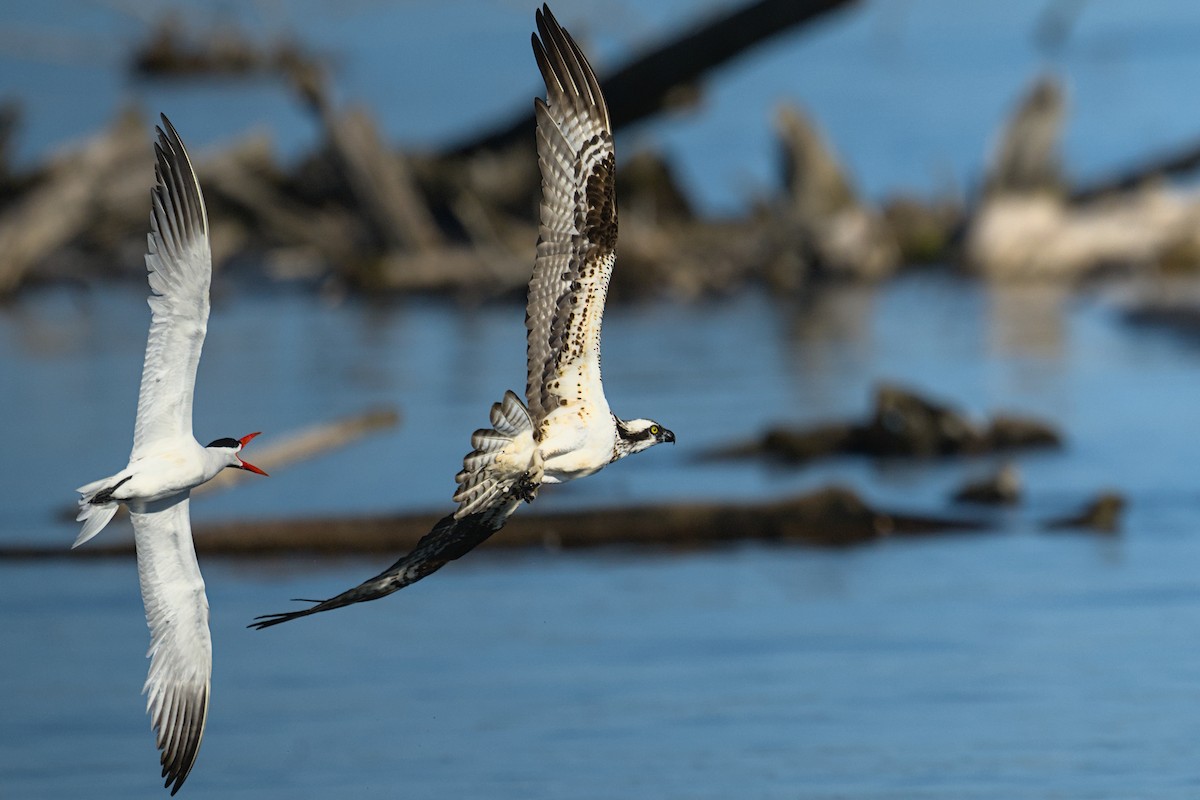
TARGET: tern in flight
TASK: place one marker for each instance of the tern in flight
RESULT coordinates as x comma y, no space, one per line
167,463
564,430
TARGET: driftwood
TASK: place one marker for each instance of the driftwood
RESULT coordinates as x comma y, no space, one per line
173,51
307,443
1029,226
1000,487
901,424
64,203
1044,238
1102,515
821,219
1028,160
381,182
828,518
1183,160
244,180
648,84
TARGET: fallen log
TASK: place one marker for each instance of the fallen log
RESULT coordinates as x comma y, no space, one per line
62,205
831,517
307,443
1183,160
244,179
820,219
901,424
1028,158
647,84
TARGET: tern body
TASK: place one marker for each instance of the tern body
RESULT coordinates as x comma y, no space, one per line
167,462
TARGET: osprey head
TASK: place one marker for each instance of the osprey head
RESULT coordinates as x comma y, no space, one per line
635,435
231,447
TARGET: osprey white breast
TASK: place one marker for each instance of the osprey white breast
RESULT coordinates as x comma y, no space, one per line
564,429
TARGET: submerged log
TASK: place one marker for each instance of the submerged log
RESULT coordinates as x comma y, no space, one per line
1000,487
831,517
1102,515
901,424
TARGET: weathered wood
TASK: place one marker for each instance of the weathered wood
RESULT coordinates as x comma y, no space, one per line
820,219
244,178
1028,158
1182,160
382,183
901,424
647,84
61,206
830,517
306,443
1042,237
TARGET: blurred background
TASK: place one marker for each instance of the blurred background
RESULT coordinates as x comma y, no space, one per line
914,283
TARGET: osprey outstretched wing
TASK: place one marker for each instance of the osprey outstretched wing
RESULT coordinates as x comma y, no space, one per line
577,234
567,430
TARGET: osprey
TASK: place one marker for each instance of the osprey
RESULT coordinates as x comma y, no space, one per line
167,463
565,429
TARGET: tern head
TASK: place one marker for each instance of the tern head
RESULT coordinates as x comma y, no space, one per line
232,447
635,435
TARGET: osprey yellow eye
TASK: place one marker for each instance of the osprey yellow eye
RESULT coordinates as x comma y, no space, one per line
654,430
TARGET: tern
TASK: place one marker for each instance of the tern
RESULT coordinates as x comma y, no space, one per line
167,463
564,430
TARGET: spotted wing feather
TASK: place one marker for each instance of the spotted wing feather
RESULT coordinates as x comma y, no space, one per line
578,229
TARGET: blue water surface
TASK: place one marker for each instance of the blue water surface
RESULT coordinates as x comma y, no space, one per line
1003,663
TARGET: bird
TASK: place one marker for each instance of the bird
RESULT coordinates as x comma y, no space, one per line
167,462
564,430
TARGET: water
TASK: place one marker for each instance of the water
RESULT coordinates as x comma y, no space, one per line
1007,663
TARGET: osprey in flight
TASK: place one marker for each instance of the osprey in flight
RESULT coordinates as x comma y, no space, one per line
564,430
167,463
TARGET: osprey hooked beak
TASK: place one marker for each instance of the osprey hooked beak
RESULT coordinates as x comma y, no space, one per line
246,465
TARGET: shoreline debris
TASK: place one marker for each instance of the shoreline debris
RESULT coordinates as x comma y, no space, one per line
830,517
901,423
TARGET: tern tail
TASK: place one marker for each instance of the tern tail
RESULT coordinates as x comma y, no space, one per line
96,507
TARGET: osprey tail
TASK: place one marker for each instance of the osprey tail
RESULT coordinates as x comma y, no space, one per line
96,507
504,460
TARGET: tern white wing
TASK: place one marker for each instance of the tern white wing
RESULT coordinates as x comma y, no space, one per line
578,231
180,653
179,266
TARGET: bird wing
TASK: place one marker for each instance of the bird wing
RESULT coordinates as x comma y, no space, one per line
180,651
578,229
451,538
497,475
179,267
